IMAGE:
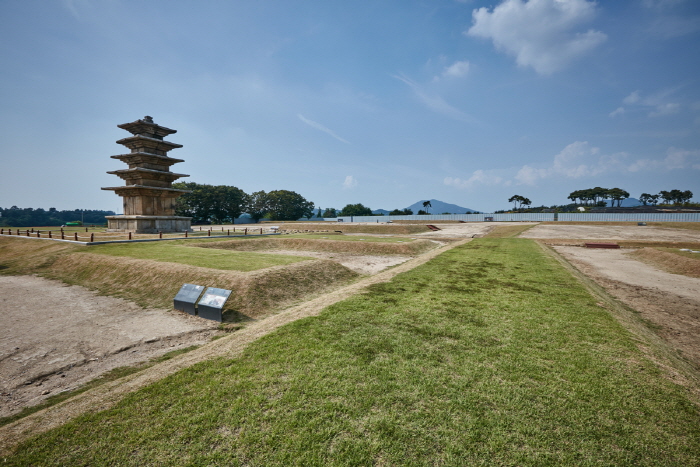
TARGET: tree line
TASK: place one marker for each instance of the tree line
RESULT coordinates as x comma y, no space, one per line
668,197
222,204
30,217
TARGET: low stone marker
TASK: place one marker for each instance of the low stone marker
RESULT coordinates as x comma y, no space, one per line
186,298
212,303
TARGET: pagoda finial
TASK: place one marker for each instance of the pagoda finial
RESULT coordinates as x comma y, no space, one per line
148,119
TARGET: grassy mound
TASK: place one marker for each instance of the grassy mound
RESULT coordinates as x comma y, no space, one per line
490,354
413,248
25,256
671,261
180,251
154,283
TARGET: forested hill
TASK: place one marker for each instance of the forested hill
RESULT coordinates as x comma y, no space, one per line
30,217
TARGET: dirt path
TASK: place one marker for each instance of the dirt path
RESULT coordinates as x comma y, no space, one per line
57,337
105,396
362,264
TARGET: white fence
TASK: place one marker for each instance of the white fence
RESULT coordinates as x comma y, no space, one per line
516,217
639,217
534,217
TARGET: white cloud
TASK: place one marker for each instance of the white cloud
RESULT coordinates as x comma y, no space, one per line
539,33
663,110
577,160
658,104
633,98
456,70
434,102
618,111
478,177
349,182
322,128
676,158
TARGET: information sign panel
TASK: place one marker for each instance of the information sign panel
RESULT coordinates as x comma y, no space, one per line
187,297
212,302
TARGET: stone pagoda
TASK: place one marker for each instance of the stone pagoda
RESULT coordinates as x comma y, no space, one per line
149,198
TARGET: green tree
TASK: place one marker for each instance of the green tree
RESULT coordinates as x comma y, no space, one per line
666,196
401,212
515,199
618,194
257,205
647,198
426,205
356,210
330,213
218,204
285,205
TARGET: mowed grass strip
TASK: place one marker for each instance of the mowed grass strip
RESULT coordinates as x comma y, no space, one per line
490,354
177,252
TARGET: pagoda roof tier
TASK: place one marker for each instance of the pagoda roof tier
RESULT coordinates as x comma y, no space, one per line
140,143
143,190
148,177
146,127
145,172
147,156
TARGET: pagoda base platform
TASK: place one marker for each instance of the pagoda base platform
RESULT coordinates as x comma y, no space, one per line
148,224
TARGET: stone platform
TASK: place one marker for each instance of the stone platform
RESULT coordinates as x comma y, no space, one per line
149,224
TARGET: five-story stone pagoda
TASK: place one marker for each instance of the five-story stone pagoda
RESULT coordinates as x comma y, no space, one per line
149,198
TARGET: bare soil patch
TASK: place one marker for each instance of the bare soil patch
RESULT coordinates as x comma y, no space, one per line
57,337
669,302
361,264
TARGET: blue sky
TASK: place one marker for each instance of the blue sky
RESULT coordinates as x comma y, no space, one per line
376,102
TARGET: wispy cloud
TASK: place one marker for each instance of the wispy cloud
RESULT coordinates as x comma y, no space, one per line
349,182
616,112
676,158
659,104
539,33
458,69
322,128
434,102
478,177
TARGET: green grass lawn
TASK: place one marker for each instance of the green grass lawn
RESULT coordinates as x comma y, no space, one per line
490,354
176,251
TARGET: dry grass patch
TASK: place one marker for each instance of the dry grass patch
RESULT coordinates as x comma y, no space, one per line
24,256
390,229
669,261
334,246
154,284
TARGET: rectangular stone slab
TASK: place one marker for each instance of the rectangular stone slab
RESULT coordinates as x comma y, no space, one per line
602,245
186,298
212,303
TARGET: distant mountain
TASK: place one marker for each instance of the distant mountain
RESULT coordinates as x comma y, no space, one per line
438,207
626,203
381,212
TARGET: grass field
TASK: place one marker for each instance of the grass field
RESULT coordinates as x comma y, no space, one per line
490,354
177,251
